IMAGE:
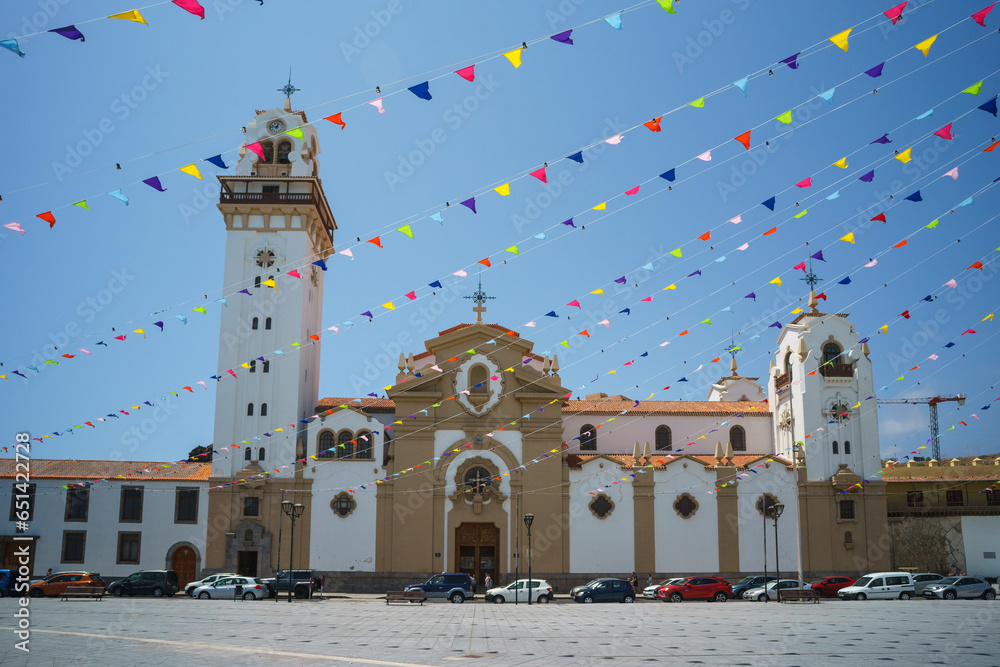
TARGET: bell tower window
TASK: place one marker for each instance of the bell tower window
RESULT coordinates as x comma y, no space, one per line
263,409
664,439
284,148
831,353
268,150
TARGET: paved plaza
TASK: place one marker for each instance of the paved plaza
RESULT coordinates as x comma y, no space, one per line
364,630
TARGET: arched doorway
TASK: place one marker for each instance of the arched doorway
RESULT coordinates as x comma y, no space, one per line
185,561
477,545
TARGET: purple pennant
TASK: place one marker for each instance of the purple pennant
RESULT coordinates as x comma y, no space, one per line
159,324
564,37
818,255
776,325
471,203
620,281
792,61
569,223
368,314
867,178
69,32
696,273
751,295
875,72
154,182
245,291
884,139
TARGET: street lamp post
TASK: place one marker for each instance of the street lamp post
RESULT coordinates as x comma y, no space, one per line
528,519
293,512
765,507
776,510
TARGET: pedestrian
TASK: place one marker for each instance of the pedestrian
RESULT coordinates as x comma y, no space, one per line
649,580
634,580
49,573
489,582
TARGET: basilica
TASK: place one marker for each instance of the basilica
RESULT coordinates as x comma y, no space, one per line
477,432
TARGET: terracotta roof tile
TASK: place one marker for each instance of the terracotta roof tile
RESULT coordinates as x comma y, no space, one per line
498,327
802,316
367,404
614,405
90,470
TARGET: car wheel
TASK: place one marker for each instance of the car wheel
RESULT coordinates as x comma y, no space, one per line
989,595
35,593
949,595
860,596
904,596
588,599
158,592
204,595
629,599
300,594
721,597
457,598
675,597
760,598
543,599
249,596
117,592
498,600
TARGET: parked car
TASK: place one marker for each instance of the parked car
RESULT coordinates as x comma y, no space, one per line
158,583
227,588
303,582
753,581
8,579
57,583
541,592
828,586
650,591
770,590
210,579
713,589
923,580
455,587
604,590
879,585
951,588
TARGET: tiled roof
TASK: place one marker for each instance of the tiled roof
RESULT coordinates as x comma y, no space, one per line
615,404
367,404
659,462
738,377
89,470
806,314
498,327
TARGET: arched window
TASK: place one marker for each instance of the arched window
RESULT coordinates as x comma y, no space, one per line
248,535
848,538
267,366
738,439
831,354
253,365
267,324
836,447
263,409
246,454
284,148
477,478
847,446
256,281
479,379
260,454
345,448
664,439
268,150
255,324
327,445
788,365
249,409
364,440
588,437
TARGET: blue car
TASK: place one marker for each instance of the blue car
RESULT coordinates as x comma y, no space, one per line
604,590
8,579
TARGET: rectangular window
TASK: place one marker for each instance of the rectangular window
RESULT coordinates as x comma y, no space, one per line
186,506
269,189
992,497
954,498
77,504
251,506
846,509
22,504
914,498
74,546
131,505
128,548
847,446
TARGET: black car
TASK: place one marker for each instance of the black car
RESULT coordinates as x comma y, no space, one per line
746,583
158,583
303,583
604,590
455,587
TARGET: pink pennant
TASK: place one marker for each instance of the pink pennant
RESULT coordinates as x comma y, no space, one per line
347,252
460,273
706,156
85,350
737,220
256,148
411,295
648,298
632,191
953,173
945,132
530,324
951,283
895,13
377,104
871,264
744,246
800,266
807,183
614,141
191,6
574,302
606,323
980,16
16,227
540,175
230,371
467,73
202,383
121,337
294,273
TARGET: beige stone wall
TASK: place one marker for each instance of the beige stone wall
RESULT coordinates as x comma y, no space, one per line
928,544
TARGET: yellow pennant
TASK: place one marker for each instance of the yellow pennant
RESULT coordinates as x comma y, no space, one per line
776,281
849,237
514,57
503,190
388,304
270,283
191,169
925,46
840,39
842,163
671,286
132,15
598,292
600,207
904,157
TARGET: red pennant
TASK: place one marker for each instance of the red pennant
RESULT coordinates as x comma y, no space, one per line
977,265
191,6
706,236
574,302
540,175
632,191
995,144
821,295
411,295
335,118
744,139
800,265
648,298
48,217
314,336
895,13
980,16
770,231
945,132
805,184
905,314
880,216
485,262
900,244
467,73
969,331
654,125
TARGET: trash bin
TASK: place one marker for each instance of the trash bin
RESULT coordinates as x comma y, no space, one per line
238,593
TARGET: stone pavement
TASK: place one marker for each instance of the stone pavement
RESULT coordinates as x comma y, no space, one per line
364,630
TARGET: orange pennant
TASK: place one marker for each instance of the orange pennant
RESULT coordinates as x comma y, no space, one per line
485,262
706,236
654,125
335,118
900,244
314,336
744,139
377,241
584,333
770,231
683,333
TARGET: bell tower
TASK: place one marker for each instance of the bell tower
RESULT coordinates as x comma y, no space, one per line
279,234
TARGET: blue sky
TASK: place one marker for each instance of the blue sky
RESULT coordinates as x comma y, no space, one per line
154,98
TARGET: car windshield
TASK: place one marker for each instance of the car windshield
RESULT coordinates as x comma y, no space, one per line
593,583
745,580
817,581
666,582
862,582
948,580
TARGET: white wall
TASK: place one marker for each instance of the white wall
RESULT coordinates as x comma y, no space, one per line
686,545
777,481
981,535
620,436
601,545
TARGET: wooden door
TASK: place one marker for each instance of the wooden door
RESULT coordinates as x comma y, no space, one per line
185,563
476,547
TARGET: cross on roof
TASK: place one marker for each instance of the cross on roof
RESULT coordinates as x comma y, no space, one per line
288,89
733,348
479,296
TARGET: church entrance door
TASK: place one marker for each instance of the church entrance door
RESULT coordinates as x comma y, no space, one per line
185,563
246,563
476,547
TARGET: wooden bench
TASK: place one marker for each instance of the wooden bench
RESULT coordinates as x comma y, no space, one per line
793,594
405,596
83,592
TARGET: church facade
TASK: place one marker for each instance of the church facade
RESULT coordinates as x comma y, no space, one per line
478,431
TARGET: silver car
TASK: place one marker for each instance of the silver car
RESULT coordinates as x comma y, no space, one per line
251,588
925,579
951,588
210,579
650,591
771,592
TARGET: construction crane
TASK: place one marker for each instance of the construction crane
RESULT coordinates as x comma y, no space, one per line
932,403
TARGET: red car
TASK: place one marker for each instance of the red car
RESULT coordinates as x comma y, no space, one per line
828,586
697,588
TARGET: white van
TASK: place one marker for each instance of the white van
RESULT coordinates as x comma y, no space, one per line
879,585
